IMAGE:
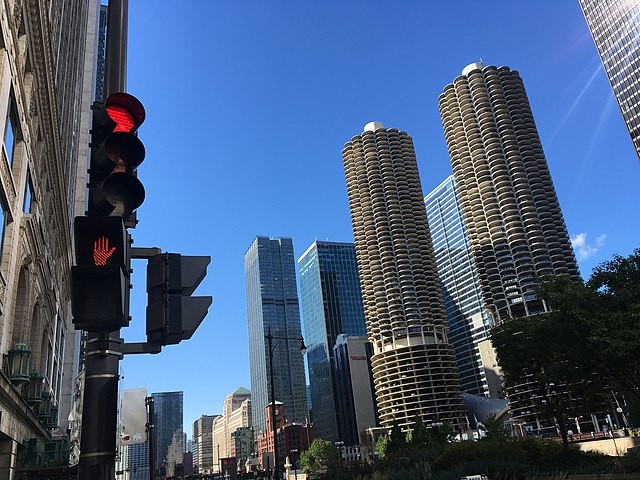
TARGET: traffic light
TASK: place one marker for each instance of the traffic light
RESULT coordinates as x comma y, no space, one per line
116,152
100,279
172,313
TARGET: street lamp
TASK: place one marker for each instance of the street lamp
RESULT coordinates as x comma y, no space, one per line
339,446
303,349
295,463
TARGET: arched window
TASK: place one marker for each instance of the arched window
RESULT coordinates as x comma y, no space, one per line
21,323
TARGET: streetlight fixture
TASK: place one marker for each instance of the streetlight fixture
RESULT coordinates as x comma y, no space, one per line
295,463
19,356
339,446
303,349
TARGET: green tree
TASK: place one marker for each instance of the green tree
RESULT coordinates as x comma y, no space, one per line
545,350
611,329
322,457
494,429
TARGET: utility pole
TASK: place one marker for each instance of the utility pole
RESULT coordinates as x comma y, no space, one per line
100,407
151,437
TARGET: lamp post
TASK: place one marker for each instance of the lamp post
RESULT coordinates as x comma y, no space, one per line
339,446
295,462
303,349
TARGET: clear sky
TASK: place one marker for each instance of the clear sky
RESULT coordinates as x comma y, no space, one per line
249,104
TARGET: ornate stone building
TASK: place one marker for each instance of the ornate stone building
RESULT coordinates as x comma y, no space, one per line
44,123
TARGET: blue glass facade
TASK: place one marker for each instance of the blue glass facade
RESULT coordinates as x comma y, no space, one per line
272,302
331,305
168,427
469,322
615,27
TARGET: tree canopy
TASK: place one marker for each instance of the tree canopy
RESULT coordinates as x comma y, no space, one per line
322,457
587,345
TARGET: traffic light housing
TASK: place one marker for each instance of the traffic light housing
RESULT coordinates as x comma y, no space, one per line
100,279
173,314
116,153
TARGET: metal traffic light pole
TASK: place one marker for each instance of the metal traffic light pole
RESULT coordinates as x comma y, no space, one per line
100,408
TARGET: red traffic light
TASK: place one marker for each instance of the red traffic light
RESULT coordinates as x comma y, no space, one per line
116,152
126,111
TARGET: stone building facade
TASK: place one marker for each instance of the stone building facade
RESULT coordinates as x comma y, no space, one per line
44,124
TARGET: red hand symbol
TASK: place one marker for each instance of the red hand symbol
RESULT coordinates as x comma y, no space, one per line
101,251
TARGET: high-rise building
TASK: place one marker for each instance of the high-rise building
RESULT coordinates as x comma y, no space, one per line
414,369
168,430
468,317
331,305
516,230
355,398
272,305
517,234
615,27
203,443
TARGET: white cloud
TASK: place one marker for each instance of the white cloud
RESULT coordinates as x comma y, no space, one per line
585,249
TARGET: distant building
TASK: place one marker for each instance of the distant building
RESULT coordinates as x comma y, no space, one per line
615,27
203,443
290,436
168,427
236,414
133,463
272,304
187,463
404,310
355,398
469,318
242,445
331,305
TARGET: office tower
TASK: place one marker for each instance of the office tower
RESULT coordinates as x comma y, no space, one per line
331,305
168,423
615,27
354,388
272,303
414,370
516,230
468,317
203,443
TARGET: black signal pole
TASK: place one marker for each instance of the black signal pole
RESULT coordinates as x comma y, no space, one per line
100,407
151,437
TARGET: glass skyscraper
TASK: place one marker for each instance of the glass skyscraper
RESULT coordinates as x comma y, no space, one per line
168,428
469,320
331,305
272,303
615,28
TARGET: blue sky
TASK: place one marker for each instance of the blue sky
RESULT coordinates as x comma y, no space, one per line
249,104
